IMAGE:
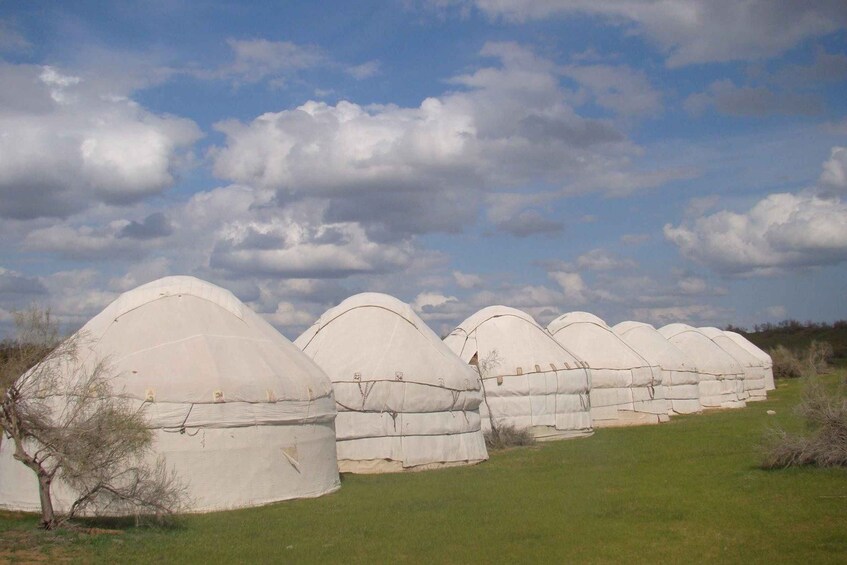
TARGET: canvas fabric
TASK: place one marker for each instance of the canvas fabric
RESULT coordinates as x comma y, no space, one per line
241,415
404,400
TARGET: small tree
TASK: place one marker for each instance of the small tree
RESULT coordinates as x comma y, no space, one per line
66,423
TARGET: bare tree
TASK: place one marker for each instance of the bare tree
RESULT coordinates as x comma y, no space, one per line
66,423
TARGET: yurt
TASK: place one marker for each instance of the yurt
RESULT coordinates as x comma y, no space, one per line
529,380
626,389
754,368
405,401
767,362
721,377
679,374
241,415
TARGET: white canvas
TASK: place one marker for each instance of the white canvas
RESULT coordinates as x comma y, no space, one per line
241,414
626,389
679,373
754,368
721,377
405,401
766,360
528,379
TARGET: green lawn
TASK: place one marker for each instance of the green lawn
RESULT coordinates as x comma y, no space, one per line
685,491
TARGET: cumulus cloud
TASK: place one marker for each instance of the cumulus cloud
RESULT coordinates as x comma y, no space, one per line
756,101
834,175
408,170
695,31
65,145
153,226
257,59
467,280
780,231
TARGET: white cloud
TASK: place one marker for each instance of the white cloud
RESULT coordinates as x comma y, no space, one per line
467,280
65,144
697,31
257,59
834,175
574,289
420,169
603,260
780,231
694,314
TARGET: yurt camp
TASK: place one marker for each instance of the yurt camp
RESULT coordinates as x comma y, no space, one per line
405,401
240,414
679,374
767,362
626,389
754,368
721,377
529,380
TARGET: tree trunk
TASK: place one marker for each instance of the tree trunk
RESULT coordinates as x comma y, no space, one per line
48,517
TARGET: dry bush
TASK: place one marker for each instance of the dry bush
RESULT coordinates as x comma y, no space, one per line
825,444
65,422
819,356
508,435
786,364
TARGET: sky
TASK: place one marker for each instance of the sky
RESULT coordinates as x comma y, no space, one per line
659,161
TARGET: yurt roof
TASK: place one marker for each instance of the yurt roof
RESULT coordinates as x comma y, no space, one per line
760,354
516,338
180,339
593,340
379,337
645,339
740,354
706,354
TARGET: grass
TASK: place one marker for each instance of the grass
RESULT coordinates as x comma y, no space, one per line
689,490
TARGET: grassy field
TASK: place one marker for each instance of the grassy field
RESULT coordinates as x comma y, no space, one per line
686,491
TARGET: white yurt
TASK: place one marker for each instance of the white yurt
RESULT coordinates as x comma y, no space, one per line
679,374
405,401
528,379
767,362
721,377
754,368
626,389
241,415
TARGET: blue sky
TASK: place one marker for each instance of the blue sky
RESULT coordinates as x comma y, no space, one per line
657,161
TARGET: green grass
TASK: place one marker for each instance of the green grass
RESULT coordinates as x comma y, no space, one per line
686,491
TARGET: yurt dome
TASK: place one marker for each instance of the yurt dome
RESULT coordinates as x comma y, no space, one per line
721,377
238,412
405,401
754,368
767,362
679,373
626,389
529,380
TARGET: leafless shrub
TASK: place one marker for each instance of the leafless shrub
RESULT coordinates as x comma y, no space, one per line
507,435
819,355
786,365
65,423
825,444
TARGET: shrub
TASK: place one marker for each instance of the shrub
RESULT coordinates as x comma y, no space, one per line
825,445
508,436
786,365
819,355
